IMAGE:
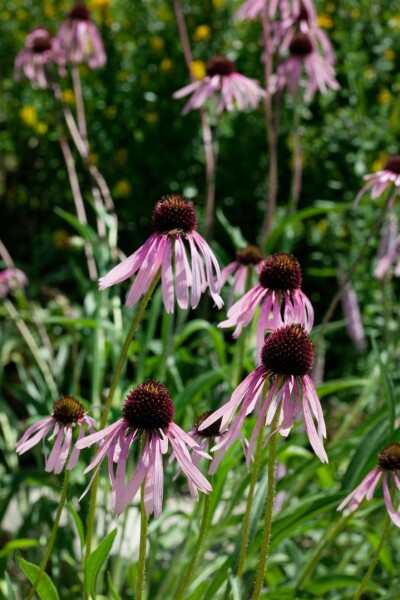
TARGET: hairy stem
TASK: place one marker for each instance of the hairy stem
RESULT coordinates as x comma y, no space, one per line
375,559
273,443
143,541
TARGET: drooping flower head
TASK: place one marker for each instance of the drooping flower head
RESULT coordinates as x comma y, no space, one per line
68,413
222,81
387,178
11,279
303,20
38,59
81,40
304,57
148,411
247,260
286,359
174,224
387,469
252,9
279,293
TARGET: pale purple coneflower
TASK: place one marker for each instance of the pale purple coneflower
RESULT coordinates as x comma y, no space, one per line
68,413
280,296
304,20
222,80
11,279
247,260
148,411
386,178
252,9
352,315
388,465
81,40
38,58
286,359
174,223
304,57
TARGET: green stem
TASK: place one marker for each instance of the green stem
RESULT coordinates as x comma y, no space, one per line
202,533
330,534
375,559
53,533
273,443
93,492
249,502
142,547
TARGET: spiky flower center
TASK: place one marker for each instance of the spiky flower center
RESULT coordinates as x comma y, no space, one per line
301,45
42,43
393,164
220,65
148,406
79,12
288,351
211,430
280,271
174,214
251,255
67,410
389,458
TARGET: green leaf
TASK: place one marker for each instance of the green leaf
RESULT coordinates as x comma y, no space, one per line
97,559
78,523
46,589
18,544
84,230
337,385
111,588
333,583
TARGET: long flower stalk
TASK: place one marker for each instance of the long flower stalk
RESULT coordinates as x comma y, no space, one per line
297,159
271,127
273,444
53,533
143,540
197,548
375,559
206,130
106,410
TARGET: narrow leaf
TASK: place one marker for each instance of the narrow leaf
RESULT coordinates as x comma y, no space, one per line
97,559
46,589
78,523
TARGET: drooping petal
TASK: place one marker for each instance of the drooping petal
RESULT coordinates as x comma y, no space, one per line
393,514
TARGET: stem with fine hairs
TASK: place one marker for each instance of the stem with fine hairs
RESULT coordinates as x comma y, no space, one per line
272,136
206,132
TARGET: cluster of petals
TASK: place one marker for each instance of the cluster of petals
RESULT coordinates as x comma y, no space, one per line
252,9
319,75
116,441
304,21
80,39
52,429
10,280
297,308
367,488
288,394
378,183
38,58
157,252
233,89
352,314
240,273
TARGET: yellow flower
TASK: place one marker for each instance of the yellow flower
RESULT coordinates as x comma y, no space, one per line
395,22
121,156
157,43
355,13
99,4
390,54
369,73
68,96
164,13
49,10
378,164
123,188
28,115
325,21
166,64
384,96
198,68
111,112
217,3
150,117
202,32
41,128
21,15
